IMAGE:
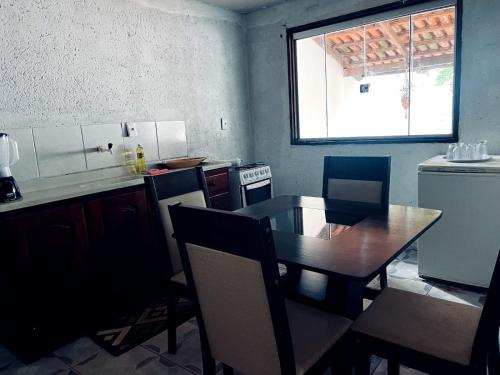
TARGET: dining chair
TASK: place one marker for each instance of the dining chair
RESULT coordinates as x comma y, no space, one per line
182,186
358,185
430,334
244,320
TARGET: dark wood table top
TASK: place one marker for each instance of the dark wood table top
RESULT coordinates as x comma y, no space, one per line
358,253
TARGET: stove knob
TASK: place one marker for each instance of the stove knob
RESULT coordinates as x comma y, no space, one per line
245,175
267,170
251,175
262,172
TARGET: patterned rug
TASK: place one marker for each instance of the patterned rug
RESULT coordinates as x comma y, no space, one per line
123,332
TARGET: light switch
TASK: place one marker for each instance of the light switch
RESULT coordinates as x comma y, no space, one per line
224,124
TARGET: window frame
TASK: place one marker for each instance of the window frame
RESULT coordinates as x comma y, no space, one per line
293,87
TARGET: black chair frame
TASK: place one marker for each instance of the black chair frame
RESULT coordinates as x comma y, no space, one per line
161,187
368,168
249,237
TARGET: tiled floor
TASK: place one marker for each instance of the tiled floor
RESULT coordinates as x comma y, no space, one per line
83,356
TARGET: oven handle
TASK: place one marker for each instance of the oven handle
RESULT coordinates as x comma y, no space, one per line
258,185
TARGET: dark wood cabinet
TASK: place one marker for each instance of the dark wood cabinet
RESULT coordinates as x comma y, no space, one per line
121,246
218,188
65,266
43,275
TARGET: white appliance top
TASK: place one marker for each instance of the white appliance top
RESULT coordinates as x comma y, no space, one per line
440,164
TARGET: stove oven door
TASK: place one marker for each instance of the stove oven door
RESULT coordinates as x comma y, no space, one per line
257,192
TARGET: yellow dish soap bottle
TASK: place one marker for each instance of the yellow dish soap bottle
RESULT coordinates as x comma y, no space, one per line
141,161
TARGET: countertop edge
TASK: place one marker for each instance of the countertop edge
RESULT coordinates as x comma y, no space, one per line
81,189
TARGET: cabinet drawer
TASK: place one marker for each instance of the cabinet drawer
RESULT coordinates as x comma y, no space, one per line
221,201
218,183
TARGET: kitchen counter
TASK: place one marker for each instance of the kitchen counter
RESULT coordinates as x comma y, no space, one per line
440,164
53,189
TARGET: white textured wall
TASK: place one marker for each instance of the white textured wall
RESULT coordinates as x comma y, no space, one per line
298,169
74,62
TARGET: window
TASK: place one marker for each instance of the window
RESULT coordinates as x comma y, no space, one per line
389,74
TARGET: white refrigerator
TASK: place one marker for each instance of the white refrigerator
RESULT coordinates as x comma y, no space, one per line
461,247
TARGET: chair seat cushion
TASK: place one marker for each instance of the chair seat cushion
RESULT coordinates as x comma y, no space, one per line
432,326
179,278
313,332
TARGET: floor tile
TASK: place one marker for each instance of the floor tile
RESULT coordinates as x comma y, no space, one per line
188,347
382,369
375,283
7,359
158,365
415,286
103,363
78,351
403,269
456,294
410,256
44,366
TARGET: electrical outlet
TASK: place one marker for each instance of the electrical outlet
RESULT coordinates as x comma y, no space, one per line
131,129
224,124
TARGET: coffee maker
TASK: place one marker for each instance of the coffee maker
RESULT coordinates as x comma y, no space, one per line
9,155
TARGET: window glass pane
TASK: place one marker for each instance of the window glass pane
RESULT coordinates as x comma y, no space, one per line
311,86
368,92
344,49
432,77
369,79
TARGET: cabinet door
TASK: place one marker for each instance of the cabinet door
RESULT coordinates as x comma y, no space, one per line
119,228
43,267
218,188
221,202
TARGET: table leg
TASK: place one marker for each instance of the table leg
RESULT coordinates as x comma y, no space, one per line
345,297
292,276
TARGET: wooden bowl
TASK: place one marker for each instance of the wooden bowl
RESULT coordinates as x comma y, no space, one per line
183,163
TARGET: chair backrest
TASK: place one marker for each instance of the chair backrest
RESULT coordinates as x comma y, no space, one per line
487,332
183,186
230,265
357,184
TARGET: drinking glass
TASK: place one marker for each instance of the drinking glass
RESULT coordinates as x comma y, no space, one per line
476,152
451,149
459,152
483,151
469,152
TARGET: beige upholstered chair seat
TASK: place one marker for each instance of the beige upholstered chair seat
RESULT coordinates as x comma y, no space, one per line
179,278
313,332
432,326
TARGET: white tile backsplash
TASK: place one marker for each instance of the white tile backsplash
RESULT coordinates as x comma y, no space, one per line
26,168
147,138
171,139
59,150
101,135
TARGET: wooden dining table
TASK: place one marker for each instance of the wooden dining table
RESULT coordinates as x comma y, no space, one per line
348,248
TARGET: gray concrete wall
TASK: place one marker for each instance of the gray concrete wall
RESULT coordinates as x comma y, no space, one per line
298,169
77,62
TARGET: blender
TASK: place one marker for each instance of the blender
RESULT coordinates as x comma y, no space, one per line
9,155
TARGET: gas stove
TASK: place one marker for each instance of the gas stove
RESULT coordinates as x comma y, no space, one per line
250,173
249,184
248,166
